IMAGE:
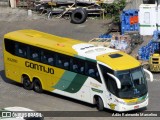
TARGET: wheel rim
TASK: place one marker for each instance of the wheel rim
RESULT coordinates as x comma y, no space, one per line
26,82
37,86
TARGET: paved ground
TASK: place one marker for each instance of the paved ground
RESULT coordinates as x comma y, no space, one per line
14,95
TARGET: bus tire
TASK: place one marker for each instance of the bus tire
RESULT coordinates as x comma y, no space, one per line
37,86
79,16
99,104
27,84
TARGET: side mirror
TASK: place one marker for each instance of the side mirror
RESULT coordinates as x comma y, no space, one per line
116,80
149,73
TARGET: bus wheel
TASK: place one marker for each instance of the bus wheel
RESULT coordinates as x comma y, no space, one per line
27,84
37,86
99,104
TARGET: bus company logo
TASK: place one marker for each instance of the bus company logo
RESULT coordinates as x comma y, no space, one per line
39,67
6,114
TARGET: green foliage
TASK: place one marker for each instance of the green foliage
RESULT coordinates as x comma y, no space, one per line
114,9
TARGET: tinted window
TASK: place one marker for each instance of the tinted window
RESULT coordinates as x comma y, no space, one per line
111,84
34,53
92,71
10,46
109,81
21,50
63,61
48,57
78,66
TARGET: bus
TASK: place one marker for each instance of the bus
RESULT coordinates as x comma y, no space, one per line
97,75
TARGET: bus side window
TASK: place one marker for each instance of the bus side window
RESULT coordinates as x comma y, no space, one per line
63,61
111,84
109,81
78,66
48,57
35,53
9,46
21,50
92,71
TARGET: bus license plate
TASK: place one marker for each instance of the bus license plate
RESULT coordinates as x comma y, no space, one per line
136,107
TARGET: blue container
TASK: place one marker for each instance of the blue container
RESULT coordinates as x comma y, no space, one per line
105,36
156,35
125,21
122,17
136,27
127,18
146,51
132,28
135,12
128,27
131,13
122,32
123,25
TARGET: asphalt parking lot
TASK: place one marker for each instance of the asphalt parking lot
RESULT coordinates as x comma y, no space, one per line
12,94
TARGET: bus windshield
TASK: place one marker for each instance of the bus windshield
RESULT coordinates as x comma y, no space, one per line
133,83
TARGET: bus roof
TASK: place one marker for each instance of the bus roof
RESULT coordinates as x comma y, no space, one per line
119,60
44,40
112,58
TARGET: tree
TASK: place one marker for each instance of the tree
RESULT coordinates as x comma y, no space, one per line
114,9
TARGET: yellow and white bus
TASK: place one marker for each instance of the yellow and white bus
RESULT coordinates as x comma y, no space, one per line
98,75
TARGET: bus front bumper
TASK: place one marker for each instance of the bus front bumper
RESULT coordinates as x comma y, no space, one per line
127,107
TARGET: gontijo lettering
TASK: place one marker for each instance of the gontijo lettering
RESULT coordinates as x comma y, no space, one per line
39,67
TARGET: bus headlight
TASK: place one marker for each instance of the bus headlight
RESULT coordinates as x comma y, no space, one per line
121,102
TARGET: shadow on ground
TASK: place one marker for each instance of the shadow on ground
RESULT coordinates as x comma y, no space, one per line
2,74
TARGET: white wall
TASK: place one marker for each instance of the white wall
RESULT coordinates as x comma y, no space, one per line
147,18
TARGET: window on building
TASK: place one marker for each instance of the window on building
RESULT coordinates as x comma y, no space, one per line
147,18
